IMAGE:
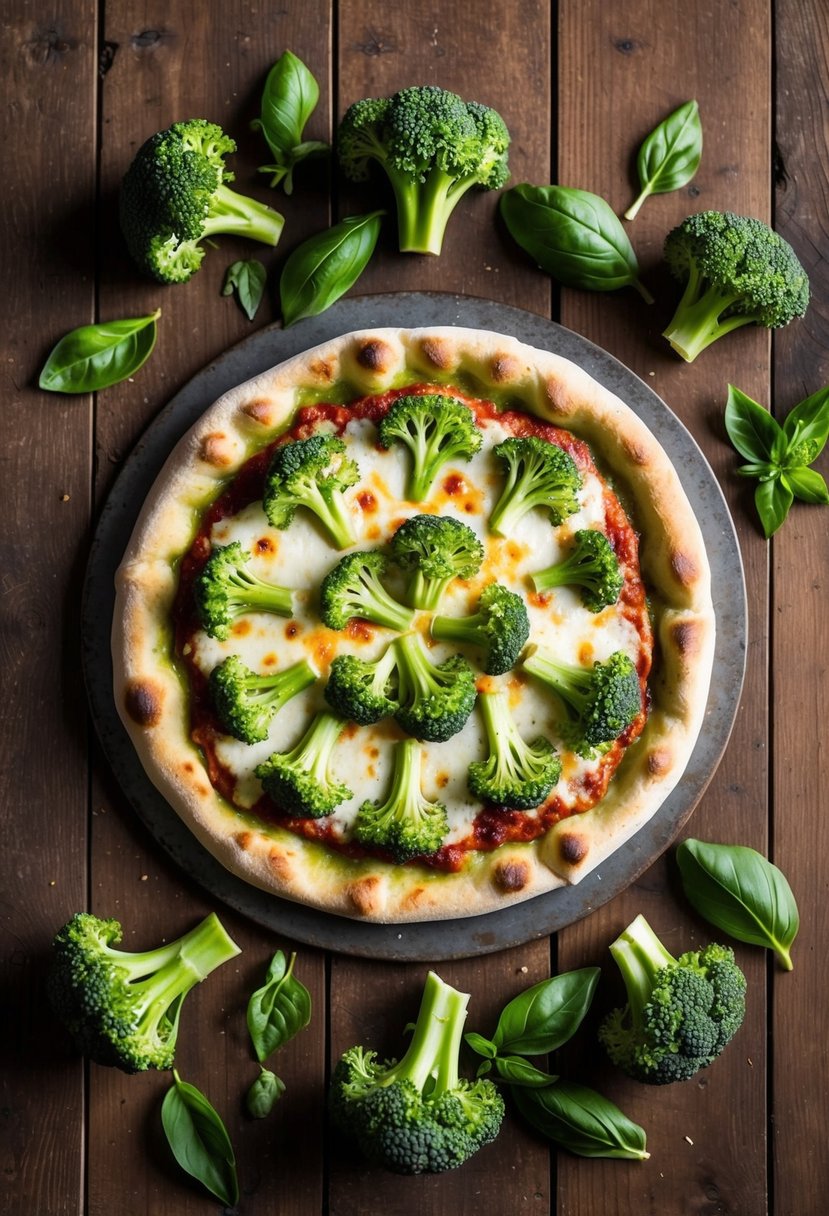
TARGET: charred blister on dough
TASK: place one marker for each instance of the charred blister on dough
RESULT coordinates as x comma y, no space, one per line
684,568
505,369
573,848
261,411
280,865
323,370
439,353
557,397
376,356
366,894
216,450
243,840
659,761
636,452
687,637
143,701
511,874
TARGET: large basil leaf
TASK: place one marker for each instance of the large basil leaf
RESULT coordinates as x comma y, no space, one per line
324,267
751,429
93,357
669,157
279,1009
544,1017
739,891
807,485
247,279
289,99
574,235
199,1140
581,1120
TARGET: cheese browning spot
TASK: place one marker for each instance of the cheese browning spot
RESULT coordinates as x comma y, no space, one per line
367,502
143,702
511,874
573,848
293,629
266,544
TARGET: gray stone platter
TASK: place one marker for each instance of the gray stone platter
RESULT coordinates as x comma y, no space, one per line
475,935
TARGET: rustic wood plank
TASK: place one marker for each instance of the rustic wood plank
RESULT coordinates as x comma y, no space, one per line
800,637
48,63
622,69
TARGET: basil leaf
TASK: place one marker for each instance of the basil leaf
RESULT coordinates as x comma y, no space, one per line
93,357
539,1020
772,499
515,1070
761,470
809,422
738,890
199,1140
581,1120
324,267
264,1094
573,235
807,485
669,157
248,280
289,98
483,1047
751,429
279,1009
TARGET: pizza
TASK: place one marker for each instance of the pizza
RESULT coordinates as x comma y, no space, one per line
408,701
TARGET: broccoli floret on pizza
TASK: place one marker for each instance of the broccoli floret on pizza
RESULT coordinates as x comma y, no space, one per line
434,700
300,781
435,429
500,628
225,589
247,703
538,474
434,550
362,691
601,701
591,565
353,589
406,824
311,473
515,774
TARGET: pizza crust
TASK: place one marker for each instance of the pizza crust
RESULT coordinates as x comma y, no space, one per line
153,705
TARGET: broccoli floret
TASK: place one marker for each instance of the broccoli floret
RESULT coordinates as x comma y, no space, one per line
311,473
175,195
123,1009
515,774
435,429
247,703
681,1012
500,628
601,700
299,781
736,271
539,474
406,825
353,589
434,701
225,589
362,691
433,147
417,1115
591,565
434,550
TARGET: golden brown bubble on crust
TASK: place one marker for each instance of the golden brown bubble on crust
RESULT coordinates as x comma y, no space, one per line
635,452
279,865
511,875
684,568
438,352
143,701
659,761
243,840
504,368
558,397
364,894
376,356
687,637
216,450
323,370
573,848
414,897
259,410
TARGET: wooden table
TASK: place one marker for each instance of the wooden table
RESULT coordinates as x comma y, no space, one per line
579,84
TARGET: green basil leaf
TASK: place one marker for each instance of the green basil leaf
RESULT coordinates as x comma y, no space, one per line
772,499
264,1094
736,889
581,1120
807,485
199,1140
483,1047
760,470
809,422
289,98
515,1070
751,429
248,280
574,235
97,356
279,1009
669,157
324,267
539,1020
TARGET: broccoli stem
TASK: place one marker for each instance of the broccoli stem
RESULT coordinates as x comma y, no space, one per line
639,955
426,593
696,322
230,212
569,683
431,1059
331,510
282,686
468,629
424,208
313,752
257,593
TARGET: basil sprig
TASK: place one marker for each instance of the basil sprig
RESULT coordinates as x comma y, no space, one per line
739,891
324,267
289,99
279,1009
199,1140
93,357
582,1121
247,279
669,157
574,235
264,1094
778,456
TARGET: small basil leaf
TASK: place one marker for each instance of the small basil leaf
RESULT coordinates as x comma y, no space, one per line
289,98
581,1120
199,1140
809,422
807,485
773,500
97,356
483,1047
484,1067
324,267
264,1094
751,429
574,235
248,280
515,1070
539,1020
669,157
736,889
760,469
279,1009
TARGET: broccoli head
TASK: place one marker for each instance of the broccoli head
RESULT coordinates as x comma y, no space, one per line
539,474
407,824
515,774
736,271
175,195
362,691
601,701
591,565
300,781
311,473
681,1012
433,147
225,589
121,1008
247,703
435,429
353,589
435,550
417,1115
500,628
434,701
